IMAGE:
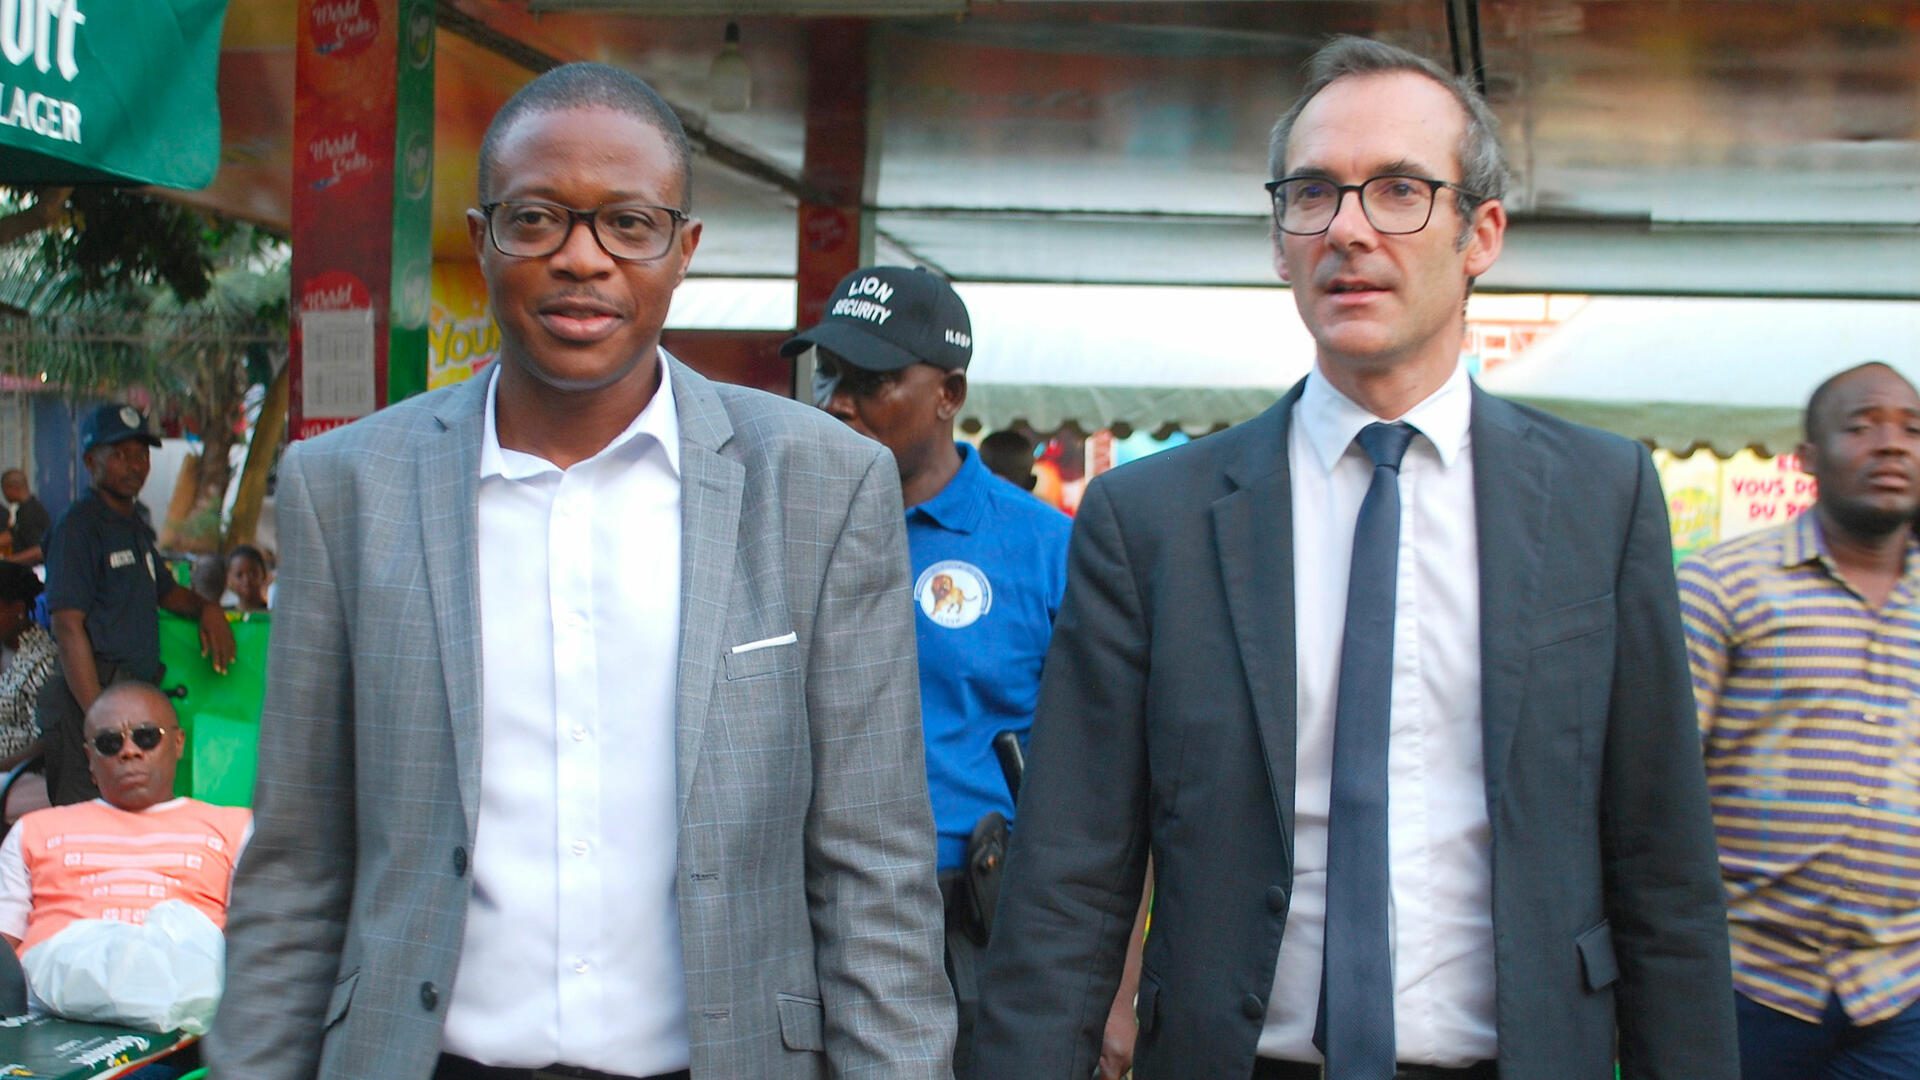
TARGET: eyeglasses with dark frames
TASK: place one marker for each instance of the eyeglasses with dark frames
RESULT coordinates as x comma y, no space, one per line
1394,204
630,232
832,375
146,737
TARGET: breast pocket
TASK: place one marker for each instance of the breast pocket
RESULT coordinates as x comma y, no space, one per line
1571,621
766,660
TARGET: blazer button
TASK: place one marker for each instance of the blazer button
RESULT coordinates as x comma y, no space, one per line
460,861
1252,1007
429,996
1276,899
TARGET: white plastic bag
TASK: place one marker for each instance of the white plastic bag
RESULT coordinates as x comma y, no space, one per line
159,975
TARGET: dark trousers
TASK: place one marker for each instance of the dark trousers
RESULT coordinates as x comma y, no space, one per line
963,956
62,721
1775,1046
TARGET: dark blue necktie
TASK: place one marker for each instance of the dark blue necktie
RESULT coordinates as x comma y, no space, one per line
1355,1029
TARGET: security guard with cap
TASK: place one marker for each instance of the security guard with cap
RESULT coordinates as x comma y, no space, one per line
105,582
989,568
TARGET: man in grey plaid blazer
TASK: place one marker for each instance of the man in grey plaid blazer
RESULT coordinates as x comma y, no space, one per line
798,845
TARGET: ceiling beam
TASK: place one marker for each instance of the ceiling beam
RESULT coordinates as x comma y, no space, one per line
716,148
1463,33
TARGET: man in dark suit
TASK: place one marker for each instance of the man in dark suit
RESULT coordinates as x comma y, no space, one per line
1388,681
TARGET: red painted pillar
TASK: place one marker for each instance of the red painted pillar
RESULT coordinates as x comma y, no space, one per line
363,152
841,165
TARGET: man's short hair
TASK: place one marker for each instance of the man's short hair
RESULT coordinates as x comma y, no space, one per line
1483,161
1811,421
1008,454
589,86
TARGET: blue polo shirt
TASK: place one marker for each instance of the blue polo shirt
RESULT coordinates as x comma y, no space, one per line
989,568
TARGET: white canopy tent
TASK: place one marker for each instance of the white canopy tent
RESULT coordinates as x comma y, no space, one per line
1126,357
1727,374
1135,357
1674,372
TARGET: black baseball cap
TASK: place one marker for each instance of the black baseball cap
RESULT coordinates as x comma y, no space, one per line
114,423
884,318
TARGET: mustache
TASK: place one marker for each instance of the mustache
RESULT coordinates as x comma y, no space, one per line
583,294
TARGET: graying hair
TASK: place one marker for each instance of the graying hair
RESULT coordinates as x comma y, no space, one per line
1483,162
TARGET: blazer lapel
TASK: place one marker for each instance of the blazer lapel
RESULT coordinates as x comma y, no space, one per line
710,491
1510,502
1254,532
448,483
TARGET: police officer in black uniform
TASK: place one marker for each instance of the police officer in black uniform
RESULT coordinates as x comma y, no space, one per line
105,583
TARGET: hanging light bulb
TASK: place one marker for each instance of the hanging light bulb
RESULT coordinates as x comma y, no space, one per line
729,82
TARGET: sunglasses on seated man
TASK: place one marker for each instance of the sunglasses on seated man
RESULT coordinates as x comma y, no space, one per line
146,737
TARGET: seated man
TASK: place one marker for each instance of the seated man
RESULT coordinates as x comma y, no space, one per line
118,856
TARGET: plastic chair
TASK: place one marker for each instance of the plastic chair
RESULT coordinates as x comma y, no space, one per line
35,762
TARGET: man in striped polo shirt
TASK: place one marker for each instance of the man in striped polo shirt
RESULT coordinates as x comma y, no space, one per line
1805,646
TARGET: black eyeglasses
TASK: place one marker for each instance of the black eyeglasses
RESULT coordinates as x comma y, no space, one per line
146,737
831,375
630,232
1394,204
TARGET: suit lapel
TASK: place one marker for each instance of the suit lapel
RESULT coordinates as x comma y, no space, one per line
710,491
1510,503
448,483
1254,535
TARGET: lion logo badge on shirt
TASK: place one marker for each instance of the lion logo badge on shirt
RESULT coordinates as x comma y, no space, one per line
953,594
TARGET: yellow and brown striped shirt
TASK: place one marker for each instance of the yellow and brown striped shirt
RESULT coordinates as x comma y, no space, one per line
1810,713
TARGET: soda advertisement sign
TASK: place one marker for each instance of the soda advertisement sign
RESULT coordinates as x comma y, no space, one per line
344,28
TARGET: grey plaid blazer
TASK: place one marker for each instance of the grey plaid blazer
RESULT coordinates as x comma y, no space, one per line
808,907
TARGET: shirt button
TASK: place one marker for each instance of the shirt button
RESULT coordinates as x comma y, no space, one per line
581,967
579,847
429,996
460,862
579,733
577,621
1276,899
1252,1007
1863,800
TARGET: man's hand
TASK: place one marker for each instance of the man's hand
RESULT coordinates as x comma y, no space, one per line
1123,1027
1116,1046
216,637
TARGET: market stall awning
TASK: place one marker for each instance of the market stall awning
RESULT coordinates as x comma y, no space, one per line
1146,358
1727,374
117,91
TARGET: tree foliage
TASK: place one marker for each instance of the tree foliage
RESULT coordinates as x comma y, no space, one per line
129,292
121,237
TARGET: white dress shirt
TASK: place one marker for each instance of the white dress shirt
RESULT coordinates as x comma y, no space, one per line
572,947
1439,840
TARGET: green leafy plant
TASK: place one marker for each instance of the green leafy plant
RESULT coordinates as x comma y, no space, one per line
131,293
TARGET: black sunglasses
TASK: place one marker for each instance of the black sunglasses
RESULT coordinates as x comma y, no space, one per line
146,737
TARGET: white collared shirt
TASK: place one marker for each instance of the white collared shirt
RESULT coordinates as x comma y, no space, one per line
572,948
1439,840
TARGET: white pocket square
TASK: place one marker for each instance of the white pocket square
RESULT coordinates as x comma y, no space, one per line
787,638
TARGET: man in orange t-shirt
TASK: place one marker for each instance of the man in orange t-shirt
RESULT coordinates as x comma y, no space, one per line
119,855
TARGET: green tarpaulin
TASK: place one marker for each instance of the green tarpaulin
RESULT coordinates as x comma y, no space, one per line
219,713
110,91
